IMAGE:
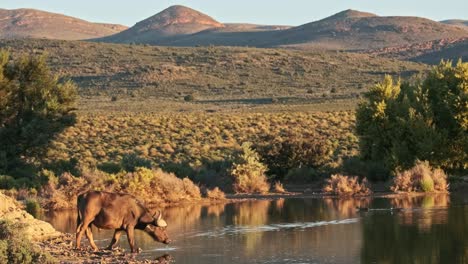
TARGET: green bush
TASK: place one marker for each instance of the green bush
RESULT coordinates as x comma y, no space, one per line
284,154
399,124
7,182
33,207
15,248
302,175
110,167
248,172
132,161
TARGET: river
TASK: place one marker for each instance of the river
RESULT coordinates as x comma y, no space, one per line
429,229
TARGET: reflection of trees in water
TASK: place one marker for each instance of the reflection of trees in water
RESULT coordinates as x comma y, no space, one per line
215,210
252,214
402,238
433,210
345,207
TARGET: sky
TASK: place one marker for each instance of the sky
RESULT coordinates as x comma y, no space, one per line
285,12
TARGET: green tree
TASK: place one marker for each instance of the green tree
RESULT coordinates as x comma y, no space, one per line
399,124
34,105
248,172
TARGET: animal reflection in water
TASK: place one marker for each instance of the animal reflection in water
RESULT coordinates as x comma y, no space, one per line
121,212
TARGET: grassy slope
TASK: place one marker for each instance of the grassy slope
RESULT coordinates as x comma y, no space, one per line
212,73
31,23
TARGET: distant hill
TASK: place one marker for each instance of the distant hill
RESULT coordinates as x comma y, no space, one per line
454,52
347,30
31,23
213,73
431,52
456,22
354,30
173,21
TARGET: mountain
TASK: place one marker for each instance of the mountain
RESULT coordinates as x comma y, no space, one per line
348,30
174,21
457,23
354,30
31,23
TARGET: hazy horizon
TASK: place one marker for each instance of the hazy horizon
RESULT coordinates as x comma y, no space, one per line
293,12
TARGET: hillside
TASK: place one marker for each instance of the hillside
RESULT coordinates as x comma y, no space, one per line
173,21
431,52
30,23
456,22
453,52
212,73
347,30
354,30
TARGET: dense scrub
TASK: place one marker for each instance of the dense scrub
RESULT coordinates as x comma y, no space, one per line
346,186
16,248
200,146
153,186
212,73
420,178
400,123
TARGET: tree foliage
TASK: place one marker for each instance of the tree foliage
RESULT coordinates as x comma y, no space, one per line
34,105
399,124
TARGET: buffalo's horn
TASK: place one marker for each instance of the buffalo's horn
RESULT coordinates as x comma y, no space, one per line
160,222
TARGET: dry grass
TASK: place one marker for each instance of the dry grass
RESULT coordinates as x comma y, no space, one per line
421,178
346,186
215,194
278,187
155,187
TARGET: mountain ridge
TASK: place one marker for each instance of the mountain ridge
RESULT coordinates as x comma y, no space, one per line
33,23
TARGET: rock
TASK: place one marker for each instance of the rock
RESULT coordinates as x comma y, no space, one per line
34,229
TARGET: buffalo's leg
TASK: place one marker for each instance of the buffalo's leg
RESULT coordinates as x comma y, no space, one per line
81,230
131,239
89,235
115,239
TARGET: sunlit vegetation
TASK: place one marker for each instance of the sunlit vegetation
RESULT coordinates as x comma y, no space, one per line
154,187
421,178
212,73
16,248
196,145
400,123
248,172
346,186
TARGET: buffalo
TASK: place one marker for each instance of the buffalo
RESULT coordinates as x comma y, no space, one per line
121,212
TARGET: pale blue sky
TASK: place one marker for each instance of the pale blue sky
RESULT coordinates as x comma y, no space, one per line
286,12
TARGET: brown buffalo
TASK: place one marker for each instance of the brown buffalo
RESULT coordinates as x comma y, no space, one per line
122,212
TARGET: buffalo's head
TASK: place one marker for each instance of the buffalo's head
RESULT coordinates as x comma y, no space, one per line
157,229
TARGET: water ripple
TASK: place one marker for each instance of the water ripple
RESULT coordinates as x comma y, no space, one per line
229,230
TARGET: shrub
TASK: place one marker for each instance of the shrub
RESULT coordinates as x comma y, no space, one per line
248,172
278,187
189,98
421,178
15,248
33,207
399,124
156,186
132,161
7,182
215,194
301,175
293,151
346,186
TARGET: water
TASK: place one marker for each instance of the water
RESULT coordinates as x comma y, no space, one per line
432,229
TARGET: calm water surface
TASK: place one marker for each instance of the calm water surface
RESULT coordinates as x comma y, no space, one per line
432,229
